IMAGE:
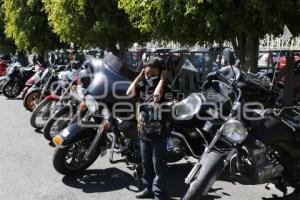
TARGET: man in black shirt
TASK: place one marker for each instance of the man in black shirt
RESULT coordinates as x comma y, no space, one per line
150,87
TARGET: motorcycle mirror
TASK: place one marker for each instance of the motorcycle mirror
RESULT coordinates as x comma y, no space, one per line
229,56
230,59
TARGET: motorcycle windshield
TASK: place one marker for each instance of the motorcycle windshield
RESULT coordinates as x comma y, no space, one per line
118,66
111,79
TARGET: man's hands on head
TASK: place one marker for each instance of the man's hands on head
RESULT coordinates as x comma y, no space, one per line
159,90
141,76
133,86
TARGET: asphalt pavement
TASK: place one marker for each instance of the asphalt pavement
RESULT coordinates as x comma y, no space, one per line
26,170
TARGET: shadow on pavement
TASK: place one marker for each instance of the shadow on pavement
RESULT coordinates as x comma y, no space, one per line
51,144
112,179
15,99
293,196
106,180
39,131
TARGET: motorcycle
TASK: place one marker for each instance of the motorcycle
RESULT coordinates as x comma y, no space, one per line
34,79
258,146
17,77
40,89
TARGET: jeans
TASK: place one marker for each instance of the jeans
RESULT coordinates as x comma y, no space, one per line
154,163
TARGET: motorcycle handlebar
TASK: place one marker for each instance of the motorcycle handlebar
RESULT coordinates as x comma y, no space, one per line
236,90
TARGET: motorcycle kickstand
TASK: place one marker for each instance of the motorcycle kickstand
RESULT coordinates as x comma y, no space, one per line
111,154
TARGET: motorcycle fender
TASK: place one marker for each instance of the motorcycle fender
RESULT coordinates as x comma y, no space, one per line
52,98
75,133
25,90
34,89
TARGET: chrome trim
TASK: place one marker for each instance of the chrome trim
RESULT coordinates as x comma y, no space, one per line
95,141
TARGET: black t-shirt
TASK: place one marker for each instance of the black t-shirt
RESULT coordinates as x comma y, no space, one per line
152,124
146,91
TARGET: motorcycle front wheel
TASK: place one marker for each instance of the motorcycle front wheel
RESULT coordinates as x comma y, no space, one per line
70,160
11,89
212,165
31,100
42,113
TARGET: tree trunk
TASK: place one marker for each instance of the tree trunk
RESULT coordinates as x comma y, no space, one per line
239,45
113,48
41,59
122,50
251,56
246,47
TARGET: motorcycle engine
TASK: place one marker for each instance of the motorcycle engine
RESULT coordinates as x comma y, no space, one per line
262,167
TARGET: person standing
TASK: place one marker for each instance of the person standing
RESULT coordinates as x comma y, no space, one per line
150,86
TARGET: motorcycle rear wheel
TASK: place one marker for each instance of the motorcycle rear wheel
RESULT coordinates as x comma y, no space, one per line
11,89
2,83
75,152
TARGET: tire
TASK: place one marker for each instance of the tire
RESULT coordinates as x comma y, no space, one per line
37,110
7,89
2,83
59,115
31,100
212,165
62,167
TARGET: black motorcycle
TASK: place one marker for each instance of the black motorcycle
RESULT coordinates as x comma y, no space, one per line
258,146
17,77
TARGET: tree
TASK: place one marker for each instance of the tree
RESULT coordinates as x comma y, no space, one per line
90,23
200,21
6,45
27,25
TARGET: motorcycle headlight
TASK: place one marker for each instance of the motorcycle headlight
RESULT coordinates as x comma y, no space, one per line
91,104
234,131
